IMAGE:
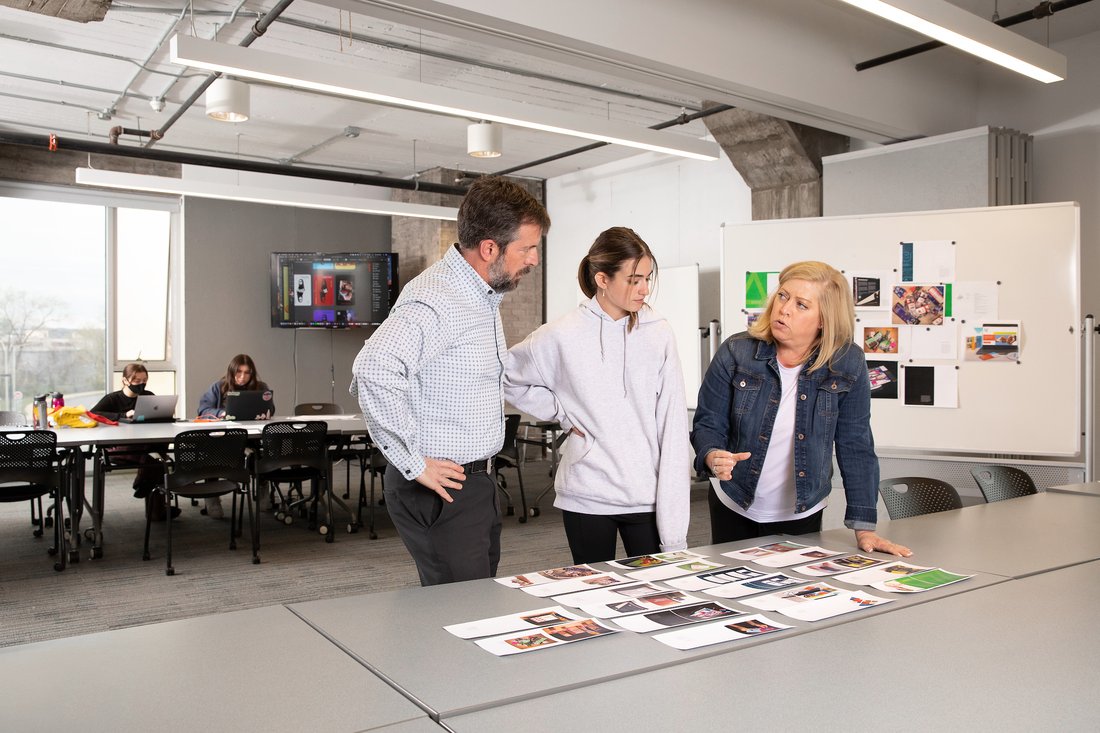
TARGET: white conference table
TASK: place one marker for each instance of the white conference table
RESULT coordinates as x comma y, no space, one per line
1016,656
256,670
1090,489
400,636
94,441
1013,538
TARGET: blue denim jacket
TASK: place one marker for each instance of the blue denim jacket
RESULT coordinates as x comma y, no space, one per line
738,402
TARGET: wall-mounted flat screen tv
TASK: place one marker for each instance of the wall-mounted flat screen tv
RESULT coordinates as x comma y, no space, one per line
326,290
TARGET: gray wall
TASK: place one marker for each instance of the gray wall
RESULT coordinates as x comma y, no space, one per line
226,297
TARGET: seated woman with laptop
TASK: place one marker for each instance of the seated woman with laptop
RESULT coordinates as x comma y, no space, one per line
120,405
240,376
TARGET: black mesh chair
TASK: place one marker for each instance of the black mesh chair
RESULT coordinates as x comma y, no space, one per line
10,419
371,461
29,470
1003,482
209,463
294,453
346,451
911,496
508,457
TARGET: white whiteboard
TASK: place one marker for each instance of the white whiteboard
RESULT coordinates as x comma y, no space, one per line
677,299
1030,408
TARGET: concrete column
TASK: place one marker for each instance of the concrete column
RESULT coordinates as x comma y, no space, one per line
779,160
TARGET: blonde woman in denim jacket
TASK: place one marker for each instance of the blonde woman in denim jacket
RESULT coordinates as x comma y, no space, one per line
775,403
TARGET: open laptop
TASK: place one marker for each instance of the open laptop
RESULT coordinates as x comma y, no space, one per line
249,405
153,408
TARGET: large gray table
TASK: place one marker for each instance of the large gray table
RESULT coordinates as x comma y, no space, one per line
1017,656
399,635
1090,489
256,670
1013,538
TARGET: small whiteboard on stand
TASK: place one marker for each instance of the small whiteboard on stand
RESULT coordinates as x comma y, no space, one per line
677,299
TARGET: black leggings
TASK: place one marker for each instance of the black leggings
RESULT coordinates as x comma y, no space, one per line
727,525
592,536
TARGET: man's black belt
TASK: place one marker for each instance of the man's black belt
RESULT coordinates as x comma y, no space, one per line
485,465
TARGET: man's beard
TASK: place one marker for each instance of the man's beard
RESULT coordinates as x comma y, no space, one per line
500,280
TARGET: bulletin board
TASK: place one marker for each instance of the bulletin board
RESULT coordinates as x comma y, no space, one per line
1029,256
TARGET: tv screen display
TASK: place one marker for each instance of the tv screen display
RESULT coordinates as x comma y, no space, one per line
325,290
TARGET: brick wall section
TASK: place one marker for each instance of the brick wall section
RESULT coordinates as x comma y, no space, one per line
420,242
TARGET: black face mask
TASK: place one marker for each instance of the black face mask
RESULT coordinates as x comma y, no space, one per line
137,388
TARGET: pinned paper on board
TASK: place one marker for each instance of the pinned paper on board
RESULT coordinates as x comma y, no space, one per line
920,305
870,289
930,386
993,342
931,260
757,287
975,300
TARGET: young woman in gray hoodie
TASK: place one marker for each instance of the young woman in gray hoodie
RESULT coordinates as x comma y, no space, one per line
609,373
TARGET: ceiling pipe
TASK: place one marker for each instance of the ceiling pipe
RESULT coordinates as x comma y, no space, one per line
1040,11
52,142
258,29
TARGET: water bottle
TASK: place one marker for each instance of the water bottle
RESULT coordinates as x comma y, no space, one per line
58,400
41,419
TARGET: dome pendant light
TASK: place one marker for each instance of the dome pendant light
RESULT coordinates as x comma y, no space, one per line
485,140
227,100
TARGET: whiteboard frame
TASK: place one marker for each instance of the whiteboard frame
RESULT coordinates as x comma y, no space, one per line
677,299
1038,244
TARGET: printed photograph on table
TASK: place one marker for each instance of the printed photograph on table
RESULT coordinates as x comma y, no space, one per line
700,635
838,565
882,572
553,575
752,553
884,379
919,305
920,582
583,629
815,602
511,623
547,637
530,642
598,596
650,561
702,581
576,585
784,559
683,616
651,602
752,587
880,340
993,342
666,572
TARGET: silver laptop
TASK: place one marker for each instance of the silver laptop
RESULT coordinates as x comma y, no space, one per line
153,408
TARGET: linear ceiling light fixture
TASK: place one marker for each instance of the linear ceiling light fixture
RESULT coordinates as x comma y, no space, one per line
258,195
956,27
346,81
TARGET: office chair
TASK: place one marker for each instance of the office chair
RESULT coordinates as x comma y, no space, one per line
345,451
508,457
29,470
10,419
293,453
1003,482
208,463
370,460
911,496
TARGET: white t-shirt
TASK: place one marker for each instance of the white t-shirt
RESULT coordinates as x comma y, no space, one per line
775,491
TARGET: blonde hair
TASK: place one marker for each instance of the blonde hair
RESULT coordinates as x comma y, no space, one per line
837,311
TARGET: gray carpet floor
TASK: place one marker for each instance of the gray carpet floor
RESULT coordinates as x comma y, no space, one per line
120,590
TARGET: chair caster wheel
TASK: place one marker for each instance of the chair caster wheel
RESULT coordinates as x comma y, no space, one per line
534,511
353,529
48,522
323,529
509,511
170,571
145,556
51,551
288,520
74,556
523,519
96,553
330,538
37,533
58,567
89,534
373,535
255,561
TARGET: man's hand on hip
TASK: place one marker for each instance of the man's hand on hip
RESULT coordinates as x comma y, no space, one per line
440,475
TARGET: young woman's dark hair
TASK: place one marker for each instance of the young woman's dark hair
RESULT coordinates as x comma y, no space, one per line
494,208
612,249
229,382
133,368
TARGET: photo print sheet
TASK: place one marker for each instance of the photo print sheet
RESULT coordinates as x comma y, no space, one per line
884,376
757,287
739,628
838,565
575,585
930,386
651,561
525,621
756,585
753,554
928,260
714,579
650,602
684,615
879,341
870,289
815,602
920,305
993,342
881,572
664,572
920,582
786,559
547,636
601,596
570,572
